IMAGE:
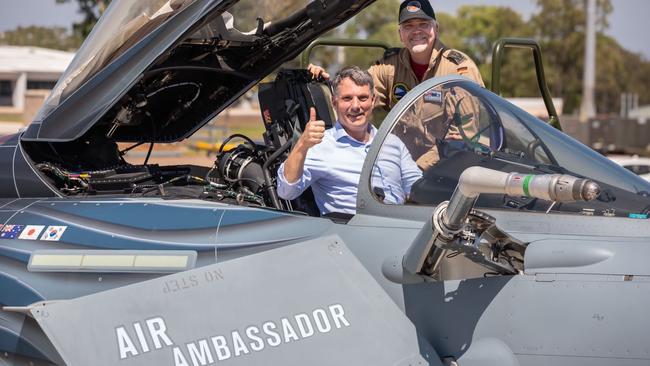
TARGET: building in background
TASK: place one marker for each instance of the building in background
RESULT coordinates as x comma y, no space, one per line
536,106
27,75
641,114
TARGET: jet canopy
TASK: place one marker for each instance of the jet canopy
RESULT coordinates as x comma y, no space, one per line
449,124
158,70
121,26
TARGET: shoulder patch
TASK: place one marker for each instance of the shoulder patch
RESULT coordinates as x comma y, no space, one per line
399,90
387,54
456,57
391,52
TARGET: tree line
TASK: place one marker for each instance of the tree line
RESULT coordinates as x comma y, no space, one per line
558,25
58,38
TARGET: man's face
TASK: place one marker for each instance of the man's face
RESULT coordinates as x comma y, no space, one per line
418,35
353,104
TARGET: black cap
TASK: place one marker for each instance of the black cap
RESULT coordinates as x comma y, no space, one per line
416,9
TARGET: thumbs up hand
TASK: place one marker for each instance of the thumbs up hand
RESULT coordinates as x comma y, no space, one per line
314,131
312,135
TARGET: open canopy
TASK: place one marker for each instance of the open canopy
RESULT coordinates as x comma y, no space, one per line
157,70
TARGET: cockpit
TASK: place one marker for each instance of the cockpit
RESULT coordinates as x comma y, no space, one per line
455,124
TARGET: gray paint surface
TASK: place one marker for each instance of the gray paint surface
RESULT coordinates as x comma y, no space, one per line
595,256
212,229
581,301
311,278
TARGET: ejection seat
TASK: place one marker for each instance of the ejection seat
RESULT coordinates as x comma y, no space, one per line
285,105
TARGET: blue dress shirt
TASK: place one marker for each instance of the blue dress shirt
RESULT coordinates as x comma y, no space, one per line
333,167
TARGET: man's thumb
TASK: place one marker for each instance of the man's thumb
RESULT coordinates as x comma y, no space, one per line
312,114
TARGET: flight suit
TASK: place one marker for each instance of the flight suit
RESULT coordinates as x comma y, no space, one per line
424,122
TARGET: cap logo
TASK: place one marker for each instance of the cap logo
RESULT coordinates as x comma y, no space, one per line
413,7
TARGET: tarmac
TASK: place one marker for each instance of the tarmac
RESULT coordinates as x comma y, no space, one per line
8,128
178,158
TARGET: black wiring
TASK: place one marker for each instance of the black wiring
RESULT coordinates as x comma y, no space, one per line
198,68
144,188
153,137
239,180
61,160
122,152
509,258
146,160
231,137
189,179
64,176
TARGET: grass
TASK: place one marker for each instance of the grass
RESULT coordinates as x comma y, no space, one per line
11,117
254,132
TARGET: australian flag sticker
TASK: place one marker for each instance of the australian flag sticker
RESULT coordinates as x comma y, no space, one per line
433,96
400,90
11,231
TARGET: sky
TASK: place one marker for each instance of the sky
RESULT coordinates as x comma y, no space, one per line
628,23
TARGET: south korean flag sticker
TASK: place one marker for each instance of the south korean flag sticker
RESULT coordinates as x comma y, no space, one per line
53,233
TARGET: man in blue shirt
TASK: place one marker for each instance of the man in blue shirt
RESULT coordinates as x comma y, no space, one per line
330,161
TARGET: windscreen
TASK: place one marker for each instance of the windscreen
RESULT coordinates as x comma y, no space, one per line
457,124
122,25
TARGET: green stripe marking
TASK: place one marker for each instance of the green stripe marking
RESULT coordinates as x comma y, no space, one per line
526,182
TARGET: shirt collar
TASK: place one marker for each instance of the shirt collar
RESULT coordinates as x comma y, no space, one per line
438,47
340,132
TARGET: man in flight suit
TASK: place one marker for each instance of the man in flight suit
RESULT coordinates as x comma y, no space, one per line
423,56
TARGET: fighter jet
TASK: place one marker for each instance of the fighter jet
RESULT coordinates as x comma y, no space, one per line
518,246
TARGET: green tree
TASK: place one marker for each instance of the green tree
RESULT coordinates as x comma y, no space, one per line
560,28
481,26
374,23
246,12
611,76
55,37
619,71
374,19
450,30
476,29
91,10
473,31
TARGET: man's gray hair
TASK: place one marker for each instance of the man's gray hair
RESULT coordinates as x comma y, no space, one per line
357,75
